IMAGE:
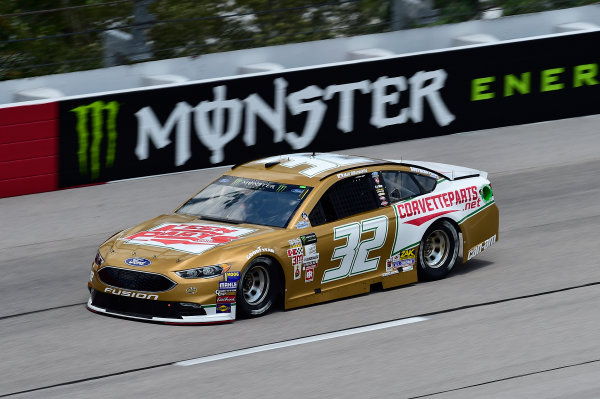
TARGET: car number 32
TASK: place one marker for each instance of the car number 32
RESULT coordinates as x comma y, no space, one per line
354,254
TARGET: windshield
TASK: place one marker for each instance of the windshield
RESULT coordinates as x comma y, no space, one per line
241,200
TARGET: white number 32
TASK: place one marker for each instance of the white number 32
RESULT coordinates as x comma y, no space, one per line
354,254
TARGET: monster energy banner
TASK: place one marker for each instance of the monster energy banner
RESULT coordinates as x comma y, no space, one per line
154,131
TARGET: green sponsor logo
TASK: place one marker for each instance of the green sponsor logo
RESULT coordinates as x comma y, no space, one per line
281,188
553,79
94,121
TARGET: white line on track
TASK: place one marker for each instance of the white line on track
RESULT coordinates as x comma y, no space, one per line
301,341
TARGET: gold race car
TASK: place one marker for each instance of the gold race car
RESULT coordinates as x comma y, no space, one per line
304,228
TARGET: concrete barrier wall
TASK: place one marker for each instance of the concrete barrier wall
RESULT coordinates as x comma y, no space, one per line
28,149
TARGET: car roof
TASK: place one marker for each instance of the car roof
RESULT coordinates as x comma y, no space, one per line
303,168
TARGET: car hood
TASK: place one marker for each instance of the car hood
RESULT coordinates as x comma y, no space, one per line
175,239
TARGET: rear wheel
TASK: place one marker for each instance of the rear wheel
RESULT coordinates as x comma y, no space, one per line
258,287
438,251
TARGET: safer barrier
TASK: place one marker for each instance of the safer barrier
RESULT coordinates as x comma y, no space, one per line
226,121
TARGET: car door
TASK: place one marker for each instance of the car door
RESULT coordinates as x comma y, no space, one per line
351,234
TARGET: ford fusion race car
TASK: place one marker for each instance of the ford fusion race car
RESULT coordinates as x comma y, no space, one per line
305,228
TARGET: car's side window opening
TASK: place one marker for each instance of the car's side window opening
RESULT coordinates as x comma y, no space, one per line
403,185
345,198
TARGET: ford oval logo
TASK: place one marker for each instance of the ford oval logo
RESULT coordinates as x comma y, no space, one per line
137,262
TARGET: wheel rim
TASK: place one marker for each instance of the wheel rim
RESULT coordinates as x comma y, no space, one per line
255,285
437,247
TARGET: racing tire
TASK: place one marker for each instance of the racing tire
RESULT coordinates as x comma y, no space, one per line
258,288
438,251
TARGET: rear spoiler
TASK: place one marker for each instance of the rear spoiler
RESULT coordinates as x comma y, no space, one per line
451,172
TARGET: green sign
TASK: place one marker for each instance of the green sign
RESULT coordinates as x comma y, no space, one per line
93,122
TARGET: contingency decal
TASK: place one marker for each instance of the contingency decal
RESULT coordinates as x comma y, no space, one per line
379,189
404,261
310,262
311,256
296,253
227,291
194,238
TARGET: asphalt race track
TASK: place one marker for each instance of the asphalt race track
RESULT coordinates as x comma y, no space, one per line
522,320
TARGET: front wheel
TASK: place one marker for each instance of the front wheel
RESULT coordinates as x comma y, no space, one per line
258,288
438,251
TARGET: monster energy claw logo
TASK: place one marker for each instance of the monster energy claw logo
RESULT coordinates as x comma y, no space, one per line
90,122
281,187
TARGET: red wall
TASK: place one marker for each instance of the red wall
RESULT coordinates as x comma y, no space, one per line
28,149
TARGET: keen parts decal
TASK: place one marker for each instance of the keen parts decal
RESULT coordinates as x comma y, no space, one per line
349,105
193,238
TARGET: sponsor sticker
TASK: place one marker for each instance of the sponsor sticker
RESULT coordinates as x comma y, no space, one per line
307,239
193,238
388,265
297,259
310,249
224,308
231,276
294,251
191,290
407,253
225,299
309,275
311,258
404,261
228,285
303,224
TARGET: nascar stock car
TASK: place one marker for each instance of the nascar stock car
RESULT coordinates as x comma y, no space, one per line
301,228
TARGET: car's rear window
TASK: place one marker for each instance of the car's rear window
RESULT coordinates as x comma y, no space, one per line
242,200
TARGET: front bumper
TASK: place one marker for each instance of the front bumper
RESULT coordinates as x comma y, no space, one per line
156,311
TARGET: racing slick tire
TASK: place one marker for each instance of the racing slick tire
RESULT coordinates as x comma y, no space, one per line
438,251
258,288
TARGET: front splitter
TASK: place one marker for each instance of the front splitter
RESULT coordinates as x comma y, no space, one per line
210,318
